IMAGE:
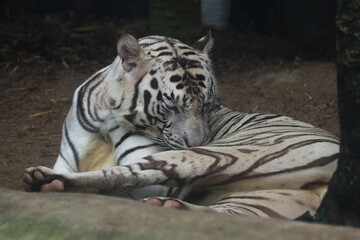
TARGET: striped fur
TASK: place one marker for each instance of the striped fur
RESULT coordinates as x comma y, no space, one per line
149,126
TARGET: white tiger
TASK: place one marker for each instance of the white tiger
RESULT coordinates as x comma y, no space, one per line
149,127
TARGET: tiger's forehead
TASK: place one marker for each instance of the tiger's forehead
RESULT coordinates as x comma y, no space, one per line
163,49
184,72
156,42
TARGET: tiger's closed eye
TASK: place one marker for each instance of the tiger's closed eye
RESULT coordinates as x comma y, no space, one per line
171,106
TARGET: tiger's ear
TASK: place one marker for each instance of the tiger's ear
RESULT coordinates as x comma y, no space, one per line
129,51
204,44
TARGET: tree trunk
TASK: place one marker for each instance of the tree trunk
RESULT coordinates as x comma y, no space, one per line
342,201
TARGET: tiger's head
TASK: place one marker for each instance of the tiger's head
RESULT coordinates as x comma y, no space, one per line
165,89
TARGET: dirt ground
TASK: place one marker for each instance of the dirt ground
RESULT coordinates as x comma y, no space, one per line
43,60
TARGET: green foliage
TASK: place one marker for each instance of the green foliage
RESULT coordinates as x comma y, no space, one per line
320,216
177,19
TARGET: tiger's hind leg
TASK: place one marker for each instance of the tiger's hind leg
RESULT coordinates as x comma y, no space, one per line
273,203
165,202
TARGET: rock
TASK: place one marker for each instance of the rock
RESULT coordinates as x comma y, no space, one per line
86,216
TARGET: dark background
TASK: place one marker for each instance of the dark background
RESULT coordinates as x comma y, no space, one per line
304,19
306,23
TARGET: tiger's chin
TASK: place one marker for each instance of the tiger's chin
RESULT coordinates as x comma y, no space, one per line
172,146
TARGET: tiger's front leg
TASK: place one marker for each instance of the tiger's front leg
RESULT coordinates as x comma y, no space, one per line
219,167
112,181
165,168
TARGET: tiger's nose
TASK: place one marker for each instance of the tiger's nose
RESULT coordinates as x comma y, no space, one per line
193,142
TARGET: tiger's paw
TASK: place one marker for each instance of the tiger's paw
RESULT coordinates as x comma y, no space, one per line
165,202
42,179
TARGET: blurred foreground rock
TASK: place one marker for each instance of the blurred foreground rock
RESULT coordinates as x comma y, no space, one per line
85,216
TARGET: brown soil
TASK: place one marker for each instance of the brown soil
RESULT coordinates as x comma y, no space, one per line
45,59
